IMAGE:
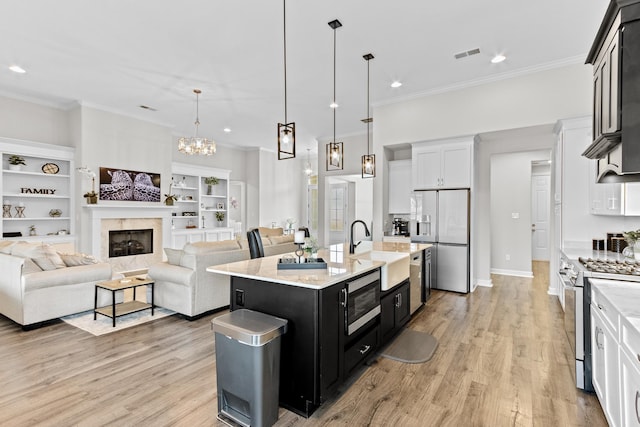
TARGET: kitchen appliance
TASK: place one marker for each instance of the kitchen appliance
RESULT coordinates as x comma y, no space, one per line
441,217
574,274
400,227
361,301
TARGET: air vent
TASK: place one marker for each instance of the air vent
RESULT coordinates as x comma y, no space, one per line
146,107
467,53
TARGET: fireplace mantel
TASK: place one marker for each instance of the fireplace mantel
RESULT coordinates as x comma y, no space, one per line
98,212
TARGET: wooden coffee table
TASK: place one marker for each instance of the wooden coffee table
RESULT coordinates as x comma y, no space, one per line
120,309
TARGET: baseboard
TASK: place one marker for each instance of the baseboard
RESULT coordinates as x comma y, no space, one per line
484,283
517,273
206,313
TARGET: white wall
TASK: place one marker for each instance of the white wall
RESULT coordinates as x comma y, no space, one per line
32,122
511,195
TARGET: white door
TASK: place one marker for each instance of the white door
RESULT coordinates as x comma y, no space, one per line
540,217
338,198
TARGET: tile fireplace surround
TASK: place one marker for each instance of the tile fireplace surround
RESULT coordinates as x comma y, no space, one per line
105,217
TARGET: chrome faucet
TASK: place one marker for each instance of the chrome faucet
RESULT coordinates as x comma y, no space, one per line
352,247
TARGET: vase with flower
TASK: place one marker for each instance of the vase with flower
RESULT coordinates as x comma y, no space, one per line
633,244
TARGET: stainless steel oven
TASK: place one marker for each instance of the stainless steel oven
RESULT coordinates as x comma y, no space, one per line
361,301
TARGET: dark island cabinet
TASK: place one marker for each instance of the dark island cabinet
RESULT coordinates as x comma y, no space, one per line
312,357
395,313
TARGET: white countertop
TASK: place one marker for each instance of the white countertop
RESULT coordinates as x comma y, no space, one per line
340,265
623,296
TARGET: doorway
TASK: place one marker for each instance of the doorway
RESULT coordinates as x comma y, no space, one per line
540,210
347,198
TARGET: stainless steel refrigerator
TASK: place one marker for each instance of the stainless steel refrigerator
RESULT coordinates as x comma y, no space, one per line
441,217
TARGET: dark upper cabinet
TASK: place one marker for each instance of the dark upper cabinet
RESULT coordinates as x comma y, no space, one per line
615,56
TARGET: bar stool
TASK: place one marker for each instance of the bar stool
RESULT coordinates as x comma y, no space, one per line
256,250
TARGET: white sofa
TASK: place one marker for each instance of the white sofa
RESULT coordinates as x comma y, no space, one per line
38,284
183,285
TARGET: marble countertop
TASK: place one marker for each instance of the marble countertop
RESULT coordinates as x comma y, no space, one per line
340,265
623,296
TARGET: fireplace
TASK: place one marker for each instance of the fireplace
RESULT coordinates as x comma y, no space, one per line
130,242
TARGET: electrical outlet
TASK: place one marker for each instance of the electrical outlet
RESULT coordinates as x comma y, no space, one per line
508,257
239,297
515,215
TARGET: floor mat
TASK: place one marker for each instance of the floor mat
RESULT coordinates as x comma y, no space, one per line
103,325
411,347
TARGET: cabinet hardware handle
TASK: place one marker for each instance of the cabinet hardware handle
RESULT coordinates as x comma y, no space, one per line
601,307
344,297
637,397
638,356
599,345
366,348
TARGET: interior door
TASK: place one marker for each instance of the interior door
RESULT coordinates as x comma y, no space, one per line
540,212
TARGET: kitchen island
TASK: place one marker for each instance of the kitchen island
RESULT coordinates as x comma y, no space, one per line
333,314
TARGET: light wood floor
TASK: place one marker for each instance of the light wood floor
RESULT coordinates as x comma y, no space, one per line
502,360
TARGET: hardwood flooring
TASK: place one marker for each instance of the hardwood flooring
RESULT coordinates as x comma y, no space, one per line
502,360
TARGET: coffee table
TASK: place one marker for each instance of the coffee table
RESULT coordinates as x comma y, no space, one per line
120,309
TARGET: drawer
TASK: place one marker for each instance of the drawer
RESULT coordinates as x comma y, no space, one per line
630,342
606,310
360,349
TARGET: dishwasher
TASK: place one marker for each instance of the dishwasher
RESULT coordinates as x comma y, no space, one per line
417,275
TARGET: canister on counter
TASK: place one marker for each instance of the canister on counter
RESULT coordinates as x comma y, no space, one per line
610,237
618,244
598,245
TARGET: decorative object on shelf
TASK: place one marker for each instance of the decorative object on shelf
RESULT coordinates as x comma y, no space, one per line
286,130
335,152
190,224
368,160
196,144
55,213
32,230
220,205
170,198
19,211
290,222
91,196
6,211
220,218
190,213
16,162
47,191
233,202
210,181
50,168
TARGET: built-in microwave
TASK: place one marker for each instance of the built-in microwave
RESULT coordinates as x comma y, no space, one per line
361,301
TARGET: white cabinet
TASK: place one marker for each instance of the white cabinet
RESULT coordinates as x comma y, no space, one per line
604,351
399,186
37,197
442,164
630,375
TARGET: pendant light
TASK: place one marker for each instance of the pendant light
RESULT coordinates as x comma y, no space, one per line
368,160
335,152
308,170
196,144
286,131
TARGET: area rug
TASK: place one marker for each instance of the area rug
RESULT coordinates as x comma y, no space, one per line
104,325
411,347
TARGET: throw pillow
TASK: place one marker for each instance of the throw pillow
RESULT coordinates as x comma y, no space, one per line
36,251
44,263
173,255
276,240
30,267
6,245
72,260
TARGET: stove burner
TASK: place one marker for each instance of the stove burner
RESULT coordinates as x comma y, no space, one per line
610,266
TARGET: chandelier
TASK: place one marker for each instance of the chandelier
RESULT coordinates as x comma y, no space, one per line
196,144
286,130
368,160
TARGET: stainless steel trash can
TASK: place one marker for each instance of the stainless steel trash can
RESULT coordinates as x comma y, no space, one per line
248,366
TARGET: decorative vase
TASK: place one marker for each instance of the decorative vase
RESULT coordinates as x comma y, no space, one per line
169,201
636,250
92,200
209,189
219,223
15,167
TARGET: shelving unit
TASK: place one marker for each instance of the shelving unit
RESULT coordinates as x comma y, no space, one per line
194,213
40,194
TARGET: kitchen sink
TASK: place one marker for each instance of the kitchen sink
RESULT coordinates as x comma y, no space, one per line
394,272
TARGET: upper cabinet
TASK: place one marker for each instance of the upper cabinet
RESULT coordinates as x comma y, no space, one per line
442,164
37,192
400,186
615,55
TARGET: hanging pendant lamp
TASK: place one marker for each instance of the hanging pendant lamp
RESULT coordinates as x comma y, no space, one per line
368,160
308,170
286,131
335,151
196,144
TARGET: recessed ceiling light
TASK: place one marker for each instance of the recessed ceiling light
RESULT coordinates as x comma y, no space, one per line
333,105
17,69
396,84
498,58
227,130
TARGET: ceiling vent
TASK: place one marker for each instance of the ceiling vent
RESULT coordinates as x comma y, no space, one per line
467,53
146,107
